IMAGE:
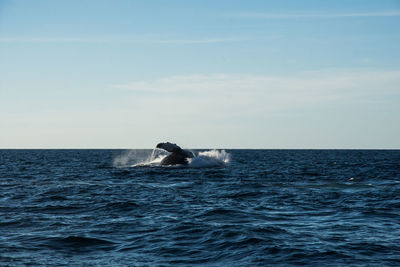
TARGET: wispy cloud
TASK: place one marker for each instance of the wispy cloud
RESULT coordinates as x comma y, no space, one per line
42,39
198,41
263,92
354,108
254,109
112,39
316,15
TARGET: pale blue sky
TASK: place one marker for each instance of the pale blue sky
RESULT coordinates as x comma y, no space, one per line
203,74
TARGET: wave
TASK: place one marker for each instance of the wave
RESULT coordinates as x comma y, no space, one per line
80,243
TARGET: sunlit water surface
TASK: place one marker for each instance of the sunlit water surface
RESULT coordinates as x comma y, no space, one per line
234,207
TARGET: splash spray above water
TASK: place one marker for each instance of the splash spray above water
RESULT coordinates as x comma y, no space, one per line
140,158
210,158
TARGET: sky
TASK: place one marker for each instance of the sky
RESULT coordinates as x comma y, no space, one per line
202,74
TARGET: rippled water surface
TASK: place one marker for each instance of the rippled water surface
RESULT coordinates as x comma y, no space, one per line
98,207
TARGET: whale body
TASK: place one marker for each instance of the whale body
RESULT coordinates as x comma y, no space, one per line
177,155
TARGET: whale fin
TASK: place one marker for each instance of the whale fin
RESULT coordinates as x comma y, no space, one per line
177,156
170,147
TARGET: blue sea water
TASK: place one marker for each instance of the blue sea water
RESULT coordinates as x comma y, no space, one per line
233,208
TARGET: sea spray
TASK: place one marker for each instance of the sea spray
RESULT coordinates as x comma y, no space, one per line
210,158
124,159
155,158
140,158
136,157
221,155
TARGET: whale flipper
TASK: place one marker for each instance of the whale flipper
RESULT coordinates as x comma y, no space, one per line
177,156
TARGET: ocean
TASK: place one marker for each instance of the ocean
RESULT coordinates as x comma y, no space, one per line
225,208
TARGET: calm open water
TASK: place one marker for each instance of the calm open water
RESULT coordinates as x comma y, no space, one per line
264,207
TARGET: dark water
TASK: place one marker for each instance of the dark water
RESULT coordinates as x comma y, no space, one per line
287,207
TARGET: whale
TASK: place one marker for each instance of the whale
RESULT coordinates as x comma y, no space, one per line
177,156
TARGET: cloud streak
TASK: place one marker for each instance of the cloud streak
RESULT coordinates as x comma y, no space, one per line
257,95
111,39
307,15
228,110
313,80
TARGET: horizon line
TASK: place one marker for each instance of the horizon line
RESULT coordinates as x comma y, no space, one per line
202,148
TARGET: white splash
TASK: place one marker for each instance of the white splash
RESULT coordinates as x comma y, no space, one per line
211,158
157,155
135,157
140,158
